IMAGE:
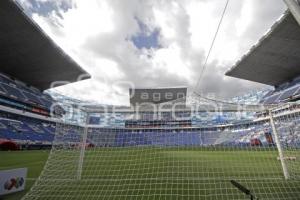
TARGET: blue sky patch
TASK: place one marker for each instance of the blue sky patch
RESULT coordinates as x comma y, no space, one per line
146,38
44,8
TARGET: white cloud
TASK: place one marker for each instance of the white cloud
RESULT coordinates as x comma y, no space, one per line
170,60
95,33
246,17
201,28
26,4
86,20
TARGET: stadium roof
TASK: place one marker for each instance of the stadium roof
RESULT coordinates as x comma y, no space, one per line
276,57
28,54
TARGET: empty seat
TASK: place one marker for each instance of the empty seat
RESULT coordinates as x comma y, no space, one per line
2,90
4,79
289,92
46,102
17,90
2,126
32,98
12,91
272,99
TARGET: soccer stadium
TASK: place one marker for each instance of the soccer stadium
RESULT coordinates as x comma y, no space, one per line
168,143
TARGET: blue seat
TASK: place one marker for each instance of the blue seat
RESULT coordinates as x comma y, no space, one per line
4,79
272,99
2,90
26,129
33,98
12,91
22,93
290,92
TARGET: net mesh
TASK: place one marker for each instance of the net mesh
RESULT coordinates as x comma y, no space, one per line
175,162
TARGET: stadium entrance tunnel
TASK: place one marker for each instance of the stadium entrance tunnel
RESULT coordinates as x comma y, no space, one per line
174,163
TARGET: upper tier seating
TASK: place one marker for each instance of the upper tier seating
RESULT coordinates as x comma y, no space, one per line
283,93
19,91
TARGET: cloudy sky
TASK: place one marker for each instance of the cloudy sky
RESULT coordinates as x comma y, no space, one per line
154,43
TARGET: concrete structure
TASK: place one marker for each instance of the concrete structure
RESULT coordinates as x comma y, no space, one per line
275,59
28,54
294,7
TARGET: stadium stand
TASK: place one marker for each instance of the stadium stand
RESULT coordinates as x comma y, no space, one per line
25,130
28,115
232,135
222,129
16,94
39,65
274,61
286,92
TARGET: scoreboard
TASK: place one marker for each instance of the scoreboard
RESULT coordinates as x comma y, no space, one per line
157,95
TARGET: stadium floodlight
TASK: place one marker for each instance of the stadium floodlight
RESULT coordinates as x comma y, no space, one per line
166,162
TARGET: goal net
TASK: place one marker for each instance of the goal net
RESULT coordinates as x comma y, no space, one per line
163,158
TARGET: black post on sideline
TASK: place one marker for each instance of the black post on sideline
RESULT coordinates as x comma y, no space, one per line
243,189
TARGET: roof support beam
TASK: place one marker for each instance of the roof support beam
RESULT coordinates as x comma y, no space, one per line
294,8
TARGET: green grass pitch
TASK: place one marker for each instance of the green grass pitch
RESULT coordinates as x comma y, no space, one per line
33,160
156,173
